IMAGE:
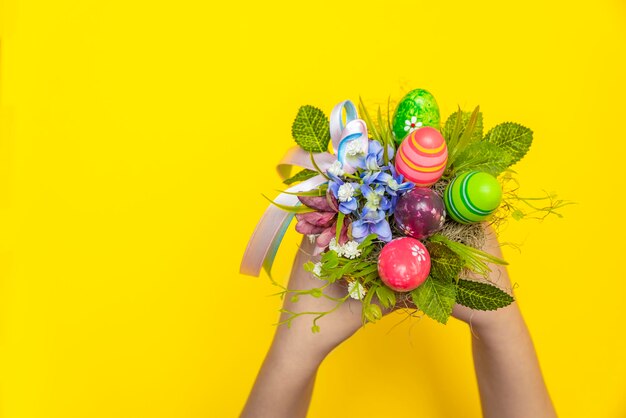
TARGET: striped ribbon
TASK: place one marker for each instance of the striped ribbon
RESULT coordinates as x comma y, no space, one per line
272,226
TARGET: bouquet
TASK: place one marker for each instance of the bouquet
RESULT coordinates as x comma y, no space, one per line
395,208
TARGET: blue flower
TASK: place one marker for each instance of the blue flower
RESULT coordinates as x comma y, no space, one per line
344,192
371,222
374,158
376,199
394,182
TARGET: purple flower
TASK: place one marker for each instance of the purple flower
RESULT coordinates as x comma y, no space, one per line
322,222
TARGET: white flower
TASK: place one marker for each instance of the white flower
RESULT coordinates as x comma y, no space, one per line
334,246
411,125
312,238
345,192
317,269
418,252
356,290
351,249
336,169
355,147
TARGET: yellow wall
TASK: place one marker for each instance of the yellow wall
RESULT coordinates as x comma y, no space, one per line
137,136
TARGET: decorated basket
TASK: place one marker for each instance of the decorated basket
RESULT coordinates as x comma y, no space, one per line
395,207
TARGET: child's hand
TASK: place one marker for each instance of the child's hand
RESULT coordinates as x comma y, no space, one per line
335,327
480,320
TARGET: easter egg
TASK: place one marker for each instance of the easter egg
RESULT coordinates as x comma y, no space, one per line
422,157
417,109
472,196
420,213
403,264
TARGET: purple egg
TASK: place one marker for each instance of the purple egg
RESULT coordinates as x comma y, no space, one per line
420,213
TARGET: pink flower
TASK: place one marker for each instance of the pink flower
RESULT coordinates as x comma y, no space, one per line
322,222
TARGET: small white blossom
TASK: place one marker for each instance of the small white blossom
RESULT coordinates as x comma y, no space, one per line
418,252
312,238
336,169
356,290
345,192
351,249
411,125
355,148
336,247
317,269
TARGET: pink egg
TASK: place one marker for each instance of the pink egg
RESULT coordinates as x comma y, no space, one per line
422,157
403,264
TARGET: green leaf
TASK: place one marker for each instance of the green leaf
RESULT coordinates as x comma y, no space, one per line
330,260
339,226
517,214
293,209
386,296
473,258
448,127
372,268
367,241
481,156
435,298
460,130
372,312
300,176
452,129
445,264
466,135
513,138
368,119
311,130
481,296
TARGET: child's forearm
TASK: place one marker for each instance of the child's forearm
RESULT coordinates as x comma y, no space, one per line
284,385
507,369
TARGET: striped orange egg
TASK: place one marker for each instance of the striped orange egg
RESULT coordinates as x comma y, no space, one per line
422,157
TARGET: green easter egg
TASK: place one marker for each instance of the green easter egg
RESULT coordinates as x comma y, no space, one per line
416,109
472,197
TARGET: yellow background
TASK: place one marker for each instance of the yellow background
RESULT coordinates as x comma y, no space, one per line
137,136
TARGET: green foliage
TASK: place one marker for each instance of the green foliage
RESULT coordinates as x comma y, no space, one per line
461,130
386,296
449,127
339,227
481,296
292,209
444,263
519,207
311,129
371,312
381,130
481,156
300,176
435,297
473,258
512,138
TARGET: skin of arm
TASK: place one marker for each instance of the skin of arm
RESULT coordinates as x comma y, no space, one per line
507,370
285,382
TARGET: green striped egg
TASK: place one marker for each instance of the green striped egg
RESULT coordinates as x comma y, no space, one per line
472,196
